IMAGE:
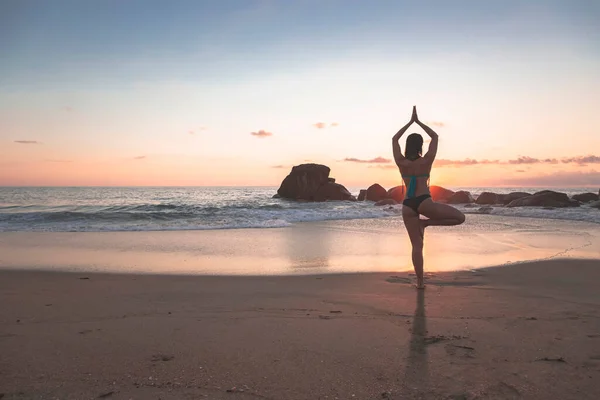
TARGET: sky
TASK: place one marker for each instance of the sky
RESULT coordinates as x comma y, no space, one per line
232,92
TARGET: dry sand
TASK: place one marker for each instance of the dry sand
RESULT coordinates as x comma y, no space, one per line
528,331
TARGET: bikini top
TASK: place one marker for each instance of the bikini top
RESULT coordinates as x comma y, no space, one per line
412,184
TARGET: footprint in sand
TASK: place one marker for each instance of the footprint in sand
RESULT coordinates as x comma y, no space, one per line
398,279
501,390
86,331
161,357
460,396
441,338
460,351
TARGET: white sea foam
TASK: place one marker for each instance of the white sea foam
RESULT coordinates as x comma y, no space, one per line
169,209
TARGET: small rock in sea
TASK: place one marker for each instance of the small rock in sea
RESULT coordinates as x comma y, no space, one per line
376,192
84,278
489,198
362,195
485,210
585,197
461,197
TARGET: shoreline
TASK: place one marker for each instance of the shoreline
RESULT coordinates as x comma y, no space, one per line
366,245
523,331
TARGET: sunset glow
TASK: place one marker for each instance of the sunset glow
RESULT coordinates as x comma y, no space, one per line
210,94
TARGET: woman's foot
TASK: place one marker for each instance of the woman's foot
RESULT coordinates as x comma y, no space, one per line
420,283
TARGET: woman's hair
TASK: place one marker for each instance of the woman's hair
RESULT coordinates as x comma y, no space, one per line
414,146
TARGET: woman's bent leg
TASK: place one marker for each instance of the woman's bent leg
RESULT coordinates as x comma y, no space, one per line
440,214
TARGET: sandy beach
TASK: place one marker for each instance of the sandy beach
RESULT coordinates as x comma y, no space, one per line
528,331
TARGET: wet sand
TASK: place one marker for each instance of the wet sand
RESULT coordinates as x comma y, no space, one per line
528,331
370,245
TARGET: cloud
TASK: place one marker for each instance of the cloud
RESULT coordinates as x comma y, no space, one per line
261,134
582,160
461,163
27,141
202,128
377,160
139,157
520,170
522,160
384,166
531,160
68,109
278,166
564,179
437,123
325,125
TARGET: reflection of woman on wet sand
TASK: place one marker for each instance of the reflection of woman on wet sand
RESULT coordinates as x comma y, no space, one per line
415,170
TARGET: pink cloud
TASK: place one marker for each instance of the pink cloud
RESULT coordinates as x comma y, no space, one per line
27,141
566,179
522,160
261,134
468,161
377,160
384,166
193,132
139,157
437,123
582,160
324,125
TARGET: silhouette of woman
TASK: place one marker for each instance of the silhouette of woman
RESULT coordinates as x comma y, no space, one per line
415,169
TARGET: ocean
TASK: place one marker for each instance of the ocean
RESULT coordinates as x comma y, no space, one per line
101,209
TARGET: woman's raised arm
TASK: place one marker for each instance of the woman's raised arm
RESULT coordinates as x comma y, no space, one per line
398,157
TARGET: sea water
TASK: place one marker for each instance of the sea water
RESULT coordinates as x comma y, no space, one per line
99,209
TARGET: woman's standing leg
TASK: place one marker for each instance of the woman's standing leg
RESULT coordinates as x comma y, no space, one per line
414,228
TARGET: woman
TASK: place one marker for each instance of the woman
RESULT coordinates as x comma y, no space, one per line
415,170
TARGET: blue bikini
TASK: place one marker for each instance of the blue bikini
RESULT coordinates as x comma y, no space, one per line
410,199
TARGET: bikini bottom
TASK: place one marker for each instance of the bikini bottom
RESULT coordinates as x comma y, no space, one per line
415,202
